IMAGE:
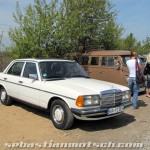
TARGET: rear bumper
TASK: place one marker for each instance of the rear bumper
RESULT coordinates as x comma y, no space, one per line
97,113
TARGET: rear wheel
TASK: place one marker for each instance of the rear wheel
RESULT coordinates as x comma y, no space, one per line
4,98
61,115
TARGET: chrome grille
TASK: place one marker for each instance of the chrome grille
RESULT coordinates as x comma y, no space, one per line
111,98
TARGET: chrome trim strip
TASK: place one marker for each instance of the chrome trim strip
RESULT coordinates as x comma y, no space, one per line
38,89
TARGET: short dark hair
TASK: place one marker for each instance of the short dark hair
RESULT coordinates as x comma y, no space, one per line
133,53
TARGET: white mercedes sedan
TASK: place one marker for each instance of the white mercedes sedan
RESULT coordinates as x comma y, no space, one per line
62,88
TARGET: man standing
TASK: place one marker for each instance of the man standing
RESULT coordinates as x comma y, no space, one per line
133,86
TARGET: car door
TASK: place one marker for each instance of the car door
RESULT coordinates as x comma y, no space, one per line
11,79
30,84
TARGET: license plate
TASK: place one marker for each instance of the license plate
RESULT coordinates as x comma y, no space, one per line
114,110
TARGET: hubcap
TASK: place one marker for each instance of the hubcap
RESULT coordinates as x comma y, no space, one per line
58,114
3,95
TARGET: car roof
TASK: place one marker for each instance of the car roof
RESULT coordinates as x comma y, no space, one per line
108,52
41,60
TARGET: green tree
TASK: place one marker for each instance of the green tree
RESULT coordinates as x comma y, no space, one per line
146,46
34,35
130,42
111,35
95,21
51,30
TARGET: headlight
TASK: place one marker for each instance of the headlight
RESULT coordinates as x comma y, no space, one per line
126,96
89,100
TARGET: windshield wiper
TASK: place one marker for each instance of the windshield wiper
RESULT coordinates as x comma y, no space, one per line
79,76
54,78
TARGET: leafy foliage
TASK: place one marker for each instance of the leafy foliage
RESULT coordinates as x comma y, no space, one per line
130,43
51,30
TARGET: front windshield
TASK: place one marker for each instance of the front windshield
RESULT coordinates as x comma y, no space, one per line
60,69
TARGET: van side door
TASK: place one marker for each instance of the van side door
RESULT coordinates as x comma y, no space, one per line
110,70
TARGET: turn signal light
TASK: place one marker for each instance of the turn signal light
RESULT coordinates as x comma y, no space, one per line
80,101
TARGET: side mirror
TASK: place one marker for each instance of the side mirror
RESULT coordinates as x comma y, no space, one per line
33,76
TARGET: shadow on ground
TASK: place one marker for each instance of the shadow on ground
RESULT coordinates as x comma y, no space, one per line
32,109
106,124
141,103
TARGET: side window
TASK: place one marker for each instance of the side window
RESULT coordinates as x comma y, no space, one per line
30,69
104,61
85,61
110,61
16,69
94,60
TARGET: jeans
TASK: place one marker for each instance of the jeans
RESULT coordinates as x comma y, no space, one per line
134,87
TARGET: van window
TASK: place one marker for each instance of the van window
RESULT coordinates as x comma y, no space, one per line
85,61
110,61
94,60
104,61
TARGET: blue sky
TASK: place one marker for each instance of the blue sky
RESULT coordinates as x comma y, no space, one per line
7,8
133,15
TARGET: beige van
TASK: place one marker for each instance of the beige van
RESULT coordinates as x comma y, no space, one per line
108,65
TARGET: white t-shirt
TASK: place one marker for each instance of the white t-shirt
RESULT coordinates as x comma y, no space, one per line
131,66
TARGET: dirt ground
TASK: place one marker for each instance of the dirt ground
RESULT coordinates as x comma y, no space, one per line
21,123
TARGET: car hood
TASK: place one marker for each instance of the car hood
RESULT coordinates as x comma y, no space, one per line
73,87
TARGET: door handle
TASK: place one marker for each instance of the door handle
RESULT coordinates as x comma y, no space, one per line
5,78
20,81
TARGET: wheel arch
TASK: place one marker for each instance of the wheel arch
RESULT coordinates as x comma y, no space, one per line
53,99
6,101
2,86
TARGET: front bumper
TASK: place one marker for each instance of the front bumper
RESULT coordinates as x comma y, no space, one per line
96,113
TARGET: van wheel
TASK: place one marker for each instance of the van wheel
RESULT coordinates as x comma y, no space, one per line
61,115
4,98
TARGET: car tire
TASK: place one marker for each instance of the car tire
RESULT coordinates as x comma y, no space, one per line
4,98
61,115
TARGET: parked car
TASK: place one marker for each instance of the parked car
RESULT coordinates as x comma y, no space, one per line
63,88
108,65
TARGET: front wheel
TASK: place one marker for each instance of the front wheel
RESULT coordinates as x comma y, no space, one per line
4,98
61,115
